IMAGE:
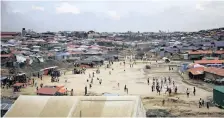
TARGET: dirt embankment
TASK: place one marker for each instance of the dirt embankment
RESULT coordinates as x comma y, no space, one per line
175,107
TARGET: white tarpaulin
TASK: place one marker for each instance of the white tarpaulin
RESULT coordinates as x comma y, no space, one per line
40,58
198,65
20,58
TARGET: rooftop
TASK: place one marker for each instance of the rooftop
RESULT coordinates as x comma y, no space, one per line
209,61
213,70
74,106
197,70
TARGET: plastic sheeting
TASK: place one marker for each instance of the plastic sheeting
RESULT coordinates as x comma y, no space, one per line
20,58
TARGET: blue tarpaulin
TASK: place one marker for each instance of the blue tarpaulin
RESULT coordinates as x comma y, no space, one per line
3,78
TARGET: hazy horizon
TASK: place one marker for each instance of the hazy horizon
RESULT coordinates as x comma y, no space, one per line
112,16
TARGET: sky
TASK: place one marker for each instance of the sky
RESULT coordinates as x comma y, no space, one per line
112,16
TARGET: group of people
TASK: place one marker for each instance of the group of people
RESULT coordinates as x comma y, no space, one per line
202,103
55,74
159,85
91,81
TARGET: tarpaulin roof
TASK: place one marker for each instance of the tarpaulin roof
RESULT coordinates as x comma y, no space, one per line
3,78
72,106
47,91
196,71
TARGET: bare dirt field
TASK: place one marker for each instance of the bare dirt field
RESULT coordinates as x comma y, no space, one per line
135,78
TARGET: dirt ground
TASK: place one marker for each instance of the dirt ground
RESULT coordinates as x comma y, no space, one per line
135,78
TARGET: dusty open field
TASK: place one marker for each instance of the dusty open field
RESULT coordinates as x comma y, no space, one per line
136,80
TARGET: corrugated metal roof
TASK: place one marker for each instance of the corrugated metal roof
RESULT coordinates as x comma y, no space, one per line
219,43
209,61
200,52
216,71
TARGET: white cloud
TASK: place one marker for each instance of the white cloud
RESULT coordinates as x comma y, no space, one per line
37,8
67,8
199,7
16,11
114,15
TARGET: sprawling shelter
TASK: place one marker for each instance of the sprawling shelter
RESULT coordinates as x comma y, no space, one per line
77,106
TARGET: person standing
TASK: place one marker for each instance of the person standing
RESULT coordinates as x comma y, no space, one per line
93,74
125,87
203,103
118,85
85,90
91,81
176,90
127,90
37,88
33,81
148,81
72,92
90,86
200,101
194,91
187,93
163,102
207,104
41,85
100,81
170,91
159,91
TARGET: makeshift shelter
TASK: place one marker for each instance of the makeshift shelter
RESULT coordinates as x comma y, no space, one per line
48,70
52,90
21,77
196,73
47,91
166,59
220,81
77,106
95,59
